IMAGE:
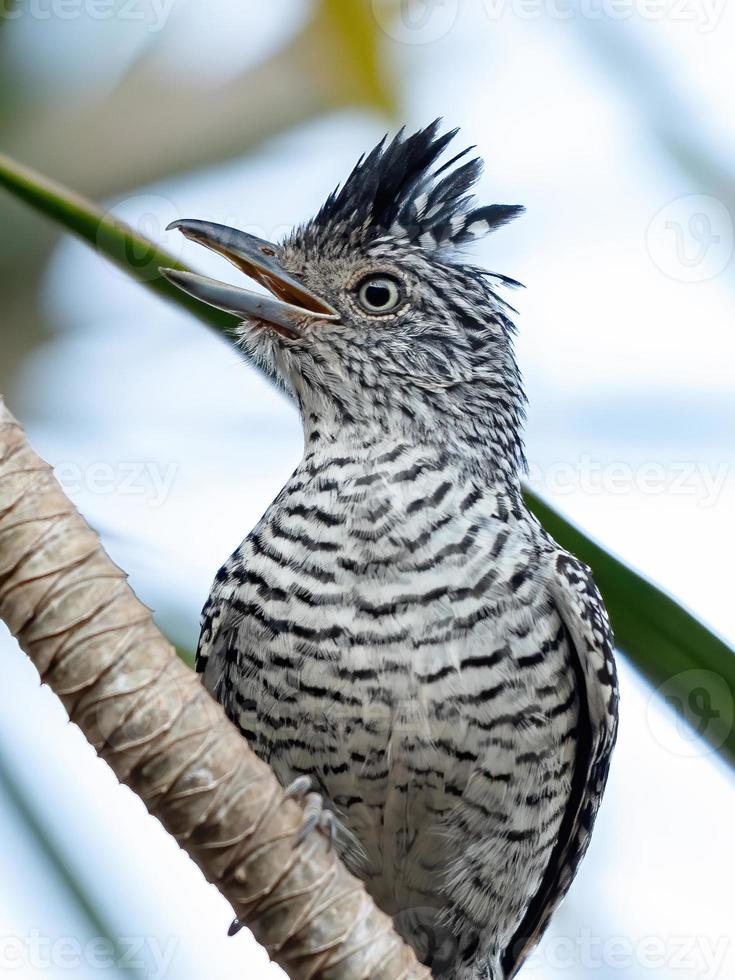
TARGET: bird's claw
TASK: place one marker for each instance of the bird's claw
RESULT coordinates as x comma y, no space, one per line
298,789
316,815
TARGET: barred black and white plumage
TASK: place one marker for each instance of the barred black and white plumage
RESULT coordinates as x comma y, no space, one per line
398,626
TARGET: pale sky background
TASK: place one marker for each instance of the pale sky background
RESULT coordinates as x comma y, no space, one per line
172,447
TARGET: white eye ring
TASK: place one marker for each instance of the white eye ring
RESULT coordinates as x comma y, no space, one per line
379,294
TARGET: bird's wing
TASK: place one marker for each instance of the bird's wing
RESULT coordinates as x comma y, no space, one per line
218,641
581,609
208,628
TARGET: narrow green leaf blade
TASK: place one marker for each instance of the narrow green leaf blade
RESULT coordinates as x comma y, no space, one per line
108,235
693,668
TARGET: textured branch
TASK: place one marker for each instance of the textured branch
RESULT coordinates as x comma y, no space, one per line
147,715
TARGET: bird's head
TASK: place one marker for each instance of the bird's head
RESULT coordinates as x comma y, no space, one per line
374,320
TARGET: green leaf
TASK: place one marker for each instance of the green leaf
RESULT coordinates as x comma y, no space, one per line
674,650
107,235
692,666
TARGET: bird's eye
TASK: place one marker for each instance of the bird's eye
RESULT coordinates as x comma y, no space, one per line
379,294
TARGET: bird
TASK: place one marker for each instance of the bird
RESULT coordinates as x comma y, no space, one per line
419,662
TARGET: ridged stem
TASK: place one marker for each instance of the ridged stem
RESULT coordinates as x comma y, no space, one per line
146,714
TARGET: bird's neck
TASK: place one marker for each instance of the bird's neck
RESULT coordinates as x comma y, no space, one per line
488,457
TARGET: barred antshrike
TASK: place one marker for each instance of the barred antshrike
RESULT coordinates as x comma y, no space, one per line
398,637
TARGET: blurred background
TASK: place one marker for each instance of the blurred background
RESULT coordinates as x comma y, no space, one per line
613,121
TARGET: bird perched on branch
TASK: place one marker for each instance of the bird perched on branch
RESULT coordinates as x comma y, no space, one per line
398,637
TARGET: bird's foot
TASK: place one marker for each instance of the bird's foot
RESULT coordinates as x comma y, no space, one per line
316,815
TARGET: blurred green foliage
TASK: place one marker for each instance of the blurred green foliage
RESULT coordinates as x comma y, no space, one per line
98,926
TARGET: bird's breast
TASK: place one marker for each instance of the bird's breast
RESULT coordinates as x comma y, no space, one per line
383,611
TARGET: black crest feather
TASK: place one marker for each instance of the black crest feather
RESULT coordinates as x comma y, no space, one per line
396,190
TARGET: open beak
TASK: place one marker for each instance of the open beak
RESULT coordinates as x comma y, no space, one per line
289,307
